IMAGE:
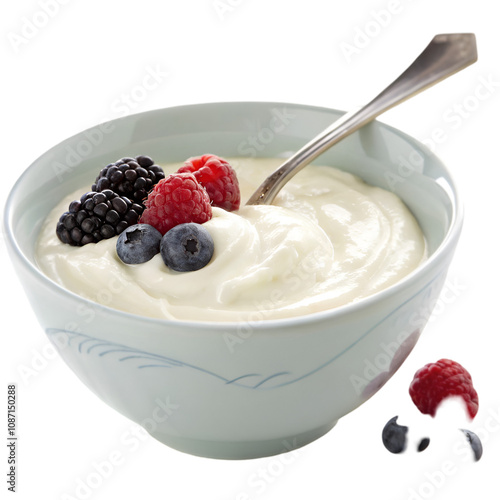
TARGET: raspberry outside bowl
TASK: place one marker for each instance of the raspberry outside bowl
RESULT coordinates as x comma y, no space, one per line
237,390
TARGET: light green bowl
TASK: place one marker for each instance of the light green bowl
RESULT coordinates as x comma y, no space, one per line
278,384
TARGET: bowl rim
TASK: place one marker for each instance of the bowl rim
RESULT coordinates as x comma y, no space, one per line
448,241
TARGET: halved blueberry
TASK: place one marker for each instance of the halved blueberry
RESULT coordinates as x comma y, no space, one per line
394,436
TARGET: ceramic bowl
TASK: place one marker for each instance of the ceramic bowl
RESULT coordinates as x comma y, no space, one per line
237,390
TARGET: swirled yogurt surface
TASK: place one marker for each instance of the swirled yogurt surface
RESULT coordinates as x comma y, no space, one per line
329,239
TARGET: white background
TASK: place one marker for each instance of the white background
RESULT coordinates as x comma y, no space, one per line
82,64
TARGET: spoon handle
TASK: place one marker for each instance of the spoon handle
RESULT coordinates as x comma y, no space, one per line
445,55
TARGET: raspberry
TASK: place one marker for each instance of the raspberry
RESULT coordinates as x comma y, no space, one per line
218,178
175,200
437,381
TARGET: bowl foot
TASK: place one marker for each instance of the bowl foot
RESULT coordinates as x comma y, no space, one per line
240,450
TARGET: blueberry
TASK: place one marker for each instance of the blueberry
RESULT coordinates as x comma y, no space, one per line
138,243
187,247
424,443
475,443
394,436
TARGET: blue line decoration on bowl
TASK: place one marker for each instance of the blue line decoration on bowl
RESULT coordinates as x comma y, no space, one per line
148,360
92,345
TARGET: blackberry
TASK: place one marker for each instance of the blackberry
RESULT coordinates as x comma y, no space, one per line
97,216
130,177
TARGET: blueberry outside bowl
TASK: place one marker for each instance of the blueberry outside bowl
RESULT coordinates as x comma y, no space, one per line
275,385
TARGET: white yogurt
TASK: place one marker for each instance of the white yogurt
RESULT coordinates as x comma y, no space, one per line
329,239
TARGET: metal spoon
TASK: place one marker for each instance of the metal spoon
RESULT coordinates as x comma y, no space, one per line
445,55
